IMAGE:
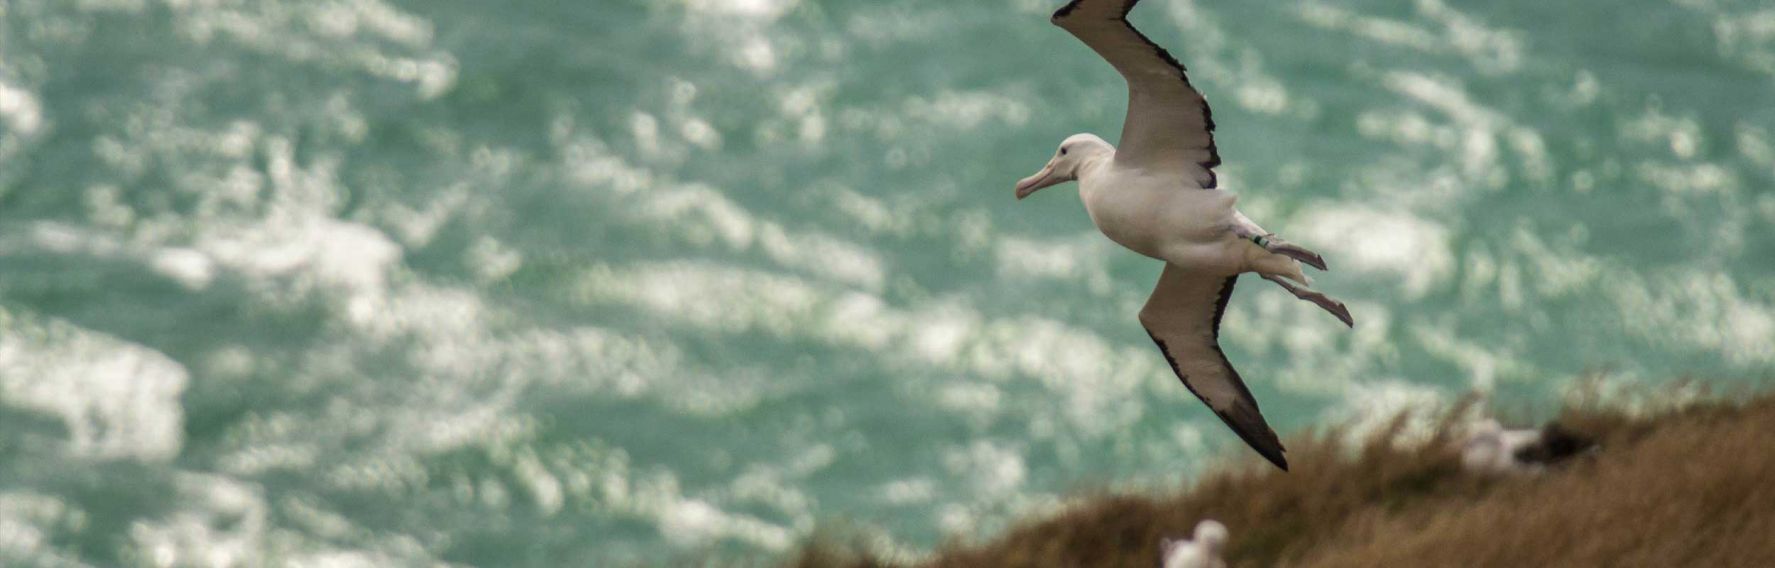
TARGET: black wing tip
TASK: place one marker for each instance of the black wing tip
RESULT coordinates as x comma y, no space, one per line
1065,11
1249,424
1244,418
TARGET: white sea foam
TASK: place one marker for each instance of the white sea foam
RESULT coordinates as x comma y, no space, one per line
692,522
829,256
192,269
1097,380
1487,48
994,470
1309,352
361,35
1373,405
1679,135
1384,30
342,559
309,250
1476,139
1484,363
1081,257
492,260
802,106
1479,142
1232,64
1745,35
29,522
1756,145
910,491
609,479
220,523
702,215
752,9
967,110
741,29
118,400
869,212
1443,29
293,246
1417,251
19,110
991,485
1704,311
980,403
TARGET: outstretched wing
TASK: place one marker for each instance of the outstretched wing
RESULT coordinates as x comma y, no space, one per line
1183,317
1169,127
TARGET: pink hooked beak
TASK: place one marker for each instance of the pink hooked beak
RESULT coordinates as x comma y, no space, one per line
1041,179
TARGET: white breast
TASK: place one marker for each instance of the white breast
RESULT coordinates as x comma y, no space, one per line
1153,215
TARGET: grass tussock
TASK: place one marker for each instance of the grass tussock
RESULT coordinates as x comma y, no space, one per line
1693,486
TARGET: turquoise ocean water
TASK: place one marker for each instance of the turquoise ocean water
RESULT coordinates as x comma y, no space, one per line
531,283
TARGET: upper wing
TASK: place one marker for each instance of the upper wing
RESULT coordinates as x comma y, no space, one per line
1183,317
1169,126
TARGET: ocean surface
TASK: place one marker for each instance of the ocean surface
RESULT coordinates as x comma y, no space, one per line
546,283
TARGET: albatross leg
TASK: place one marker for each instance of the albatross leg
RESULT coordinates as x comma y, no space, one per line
1275,244
1330,304
1248,230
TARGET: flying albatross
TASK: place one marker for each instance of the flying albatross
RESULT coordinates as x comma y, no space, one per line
1156,194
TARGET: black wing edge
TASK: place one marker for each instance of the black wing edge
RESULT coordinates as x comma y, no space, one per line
1182,74
1245,419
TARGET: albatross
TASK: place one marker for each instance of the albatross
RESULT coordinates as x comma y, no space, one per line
1202,551
1156,194
1492,449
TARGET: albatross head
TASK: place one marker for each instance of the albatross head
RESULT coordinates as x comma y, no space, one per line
1064,167
1211,534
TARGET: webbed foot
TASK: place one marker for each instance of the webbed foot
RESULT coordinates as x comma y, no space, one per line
1272,243
1318,298
1294,251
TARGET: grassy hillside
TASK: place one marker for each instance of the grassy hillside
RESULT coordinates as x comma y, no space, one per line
1691,486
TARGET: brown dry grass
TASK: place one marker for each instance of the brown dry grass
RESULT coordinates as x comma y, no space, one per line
1687,487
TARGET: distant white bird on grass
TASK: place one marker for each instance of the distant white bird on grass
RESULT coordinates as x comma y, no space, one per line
1201,551
1157,195
1491,449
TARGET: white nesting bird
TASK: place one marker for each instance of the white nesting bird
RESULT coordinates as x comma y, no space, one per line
1156,194
1201,551
1490,448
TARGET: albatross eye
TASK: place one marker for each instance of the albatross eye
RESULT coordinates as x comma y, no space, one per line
1063,151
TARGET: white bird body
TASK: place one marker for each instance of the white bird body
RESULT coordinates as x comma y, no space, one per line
1150,215
1201,551
1192,557
1492,449
1157,195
